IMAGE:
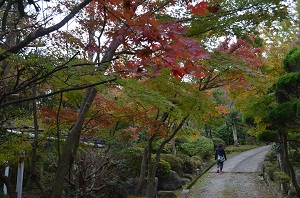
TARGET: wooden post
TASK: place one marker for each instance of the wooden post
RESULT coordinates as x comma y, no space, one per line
20,177
6,174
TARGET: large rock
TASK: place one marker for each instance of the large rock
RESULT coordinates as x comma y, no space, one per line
166,194
171,183
132,184
298,176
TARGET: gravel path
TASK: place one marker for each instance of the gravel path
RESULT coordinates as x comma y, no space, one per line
241,178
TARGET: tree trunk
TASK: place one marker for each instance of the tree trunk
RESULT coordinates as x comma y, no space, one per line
143,171
234,133
34,175
73,136
208,131
289,165
282,159
174,147
150,179
153,166
10,187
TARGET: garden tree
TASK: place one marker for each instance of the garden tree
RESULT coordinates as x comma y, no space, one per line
284,118
59,81
230,66
108,56
163,106
177,73
135,107
247,98
32,37
212,79
163,52
238,18
135,38
17,78
254,100
215,118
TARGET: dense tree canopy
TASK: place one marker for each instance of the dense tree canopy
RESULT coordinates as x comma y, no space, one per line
126,72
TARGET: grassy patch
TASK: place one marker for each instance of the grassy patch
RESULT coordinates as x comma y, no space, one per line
232,150
229,193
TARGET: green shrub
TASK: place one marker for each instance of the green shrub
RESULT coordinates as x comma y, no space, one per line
205,146
202,146
175,162
197,161
281,176
291,60
268,136
129,161
217,141
189,149
270,169
188,165
168,148
271,156
181,140
295,157
250,140
163,169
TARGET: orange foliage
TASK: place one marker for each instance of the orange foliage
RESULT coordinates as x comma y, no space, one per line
223,109
48,116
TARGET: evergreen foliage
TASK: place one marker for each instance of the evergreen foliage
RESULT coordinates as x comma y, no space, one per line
291,61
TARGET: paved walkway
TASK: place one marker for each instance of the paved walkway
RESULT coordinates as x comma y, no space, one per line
241,178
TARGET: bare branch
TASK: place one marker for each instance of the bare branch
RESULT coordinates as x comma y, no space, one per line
43,31
56,92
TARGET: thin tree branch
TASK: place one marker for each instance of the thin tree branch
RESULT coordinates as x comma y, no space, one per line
56,92
43,31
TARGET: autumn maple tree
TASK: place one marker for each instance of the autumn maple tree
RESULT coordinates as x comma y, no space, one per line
94,43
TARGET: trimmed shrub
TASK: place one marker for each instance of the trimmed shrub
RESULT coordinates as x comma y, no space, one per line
205,146
163,170
270,169
202,146
189,149
181,140
129,161
268,136
188,165
175,162
217,141
168,148
197,161
250,140
271,156
291,61
281,176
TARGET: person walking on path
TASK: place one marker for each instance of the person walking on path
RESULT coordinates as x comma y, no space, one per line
220,156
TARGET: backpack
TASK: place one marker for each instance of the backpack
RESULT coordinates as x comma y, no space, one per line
221,158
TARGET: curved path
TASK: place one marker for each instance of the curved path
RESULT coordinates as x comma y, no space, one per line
241,178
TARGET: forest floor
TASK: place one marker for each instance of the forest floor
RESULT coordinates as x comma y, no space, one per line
241,178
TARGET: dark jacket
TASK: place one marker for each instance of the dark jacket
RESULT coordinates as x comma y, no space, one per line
220,151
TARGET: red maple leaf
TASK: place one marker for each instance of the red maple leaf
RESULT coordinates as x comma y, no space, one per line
214,8
199,8
178,72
